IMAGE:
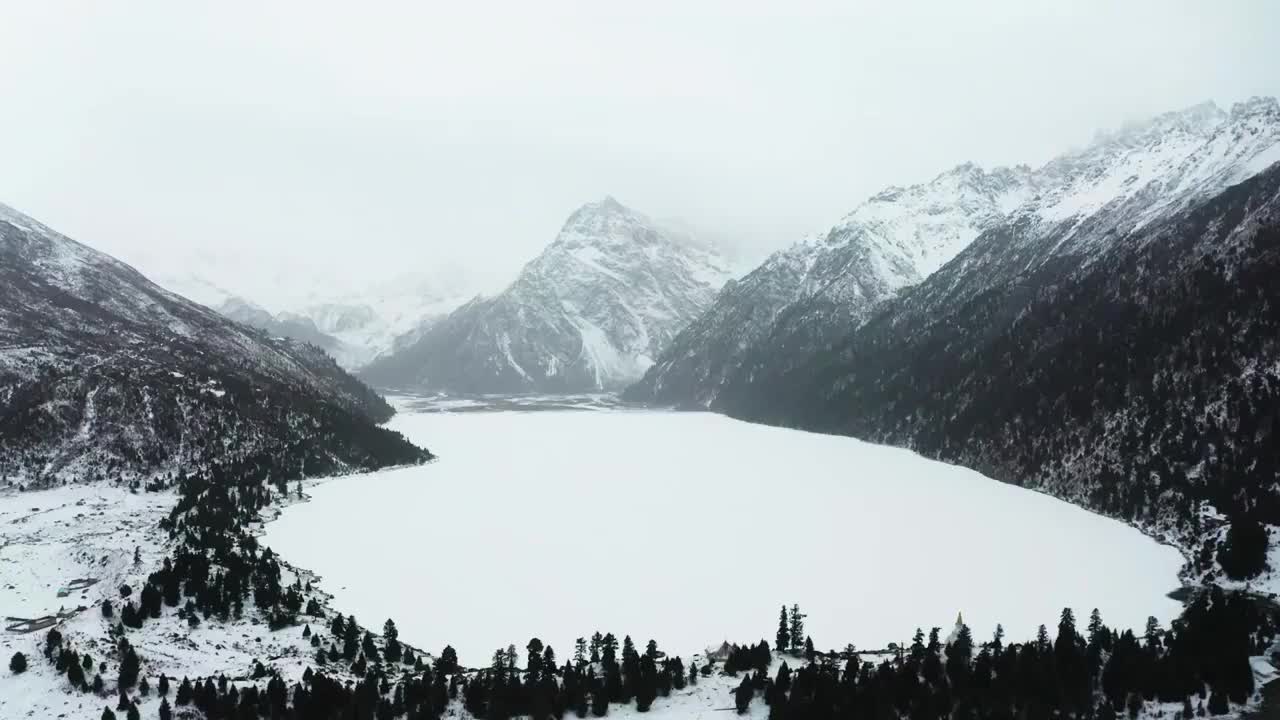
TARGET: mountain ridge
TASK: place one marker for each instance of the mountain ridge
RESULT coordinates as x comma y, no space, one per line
103,371
1122,179
587,313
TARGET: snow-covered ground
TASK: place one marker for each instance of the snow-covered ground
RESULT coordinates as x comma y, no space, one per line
48,539
691,528
51,538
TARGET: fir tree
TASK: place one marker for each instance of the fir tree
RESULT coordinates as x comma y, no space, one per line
782,640
533,651
129,667
391,641
742,695
18,663
448,663
796,630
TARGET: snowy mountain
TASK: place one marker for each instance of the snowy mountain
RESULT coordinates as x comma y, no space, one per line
589,313
814,294
354,331
355,317
102,371
294,327
815,291
370,322
1113,343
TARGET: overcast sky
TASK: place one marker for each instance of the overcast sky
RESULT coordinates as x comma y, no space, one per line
393,137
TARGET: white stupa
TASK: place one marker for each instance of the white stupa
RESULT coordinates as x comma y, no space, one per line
955,631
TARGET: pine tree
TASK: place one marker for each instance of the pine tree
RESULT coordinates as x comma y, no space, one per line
165,712
1042,640
391,641
75,672
107,714
782,641
18,663
1072,670
533,652
742,695
796,631
959,655
609,649
129,667
448,663
1152,633
1095,628
579,652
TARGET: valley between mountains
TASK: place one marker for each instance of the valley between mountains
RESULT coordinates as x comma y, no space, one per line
1000,392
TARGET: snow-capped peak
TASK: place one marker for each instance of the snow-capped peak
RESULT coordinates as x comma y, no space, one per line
929,223
590,312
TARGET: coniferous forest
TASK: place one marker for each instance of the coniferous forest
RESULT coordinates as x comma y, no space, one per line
1071,669
1140,383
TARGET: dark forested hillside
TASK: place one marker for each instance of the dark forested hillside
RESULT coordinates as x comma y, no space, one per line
103,373
1142,380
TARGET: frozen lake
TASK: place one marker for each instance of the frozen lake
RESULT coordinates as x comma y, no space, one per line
692,528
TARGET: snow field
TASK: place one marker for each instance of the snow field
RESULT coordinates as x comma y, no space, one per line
691,528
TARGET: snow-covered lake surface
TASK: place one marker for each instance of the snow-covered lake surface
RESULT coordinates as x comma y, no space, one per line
692,528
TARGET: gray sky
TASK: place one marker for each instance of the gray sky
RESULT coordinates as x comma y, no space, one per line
348,137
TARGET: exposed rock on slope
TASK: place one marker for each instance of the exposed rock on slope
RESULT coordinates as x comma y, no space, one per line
104,373
589,313
815,291
1115,344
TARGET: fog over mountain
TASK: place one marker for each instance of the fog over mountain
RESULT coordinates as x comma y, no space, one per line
405,137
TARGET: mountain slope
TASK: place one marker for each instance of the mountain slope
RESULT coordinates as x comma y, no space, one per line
354,317
806,295
1122,355
1076,202
294,327
589,313
104,373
